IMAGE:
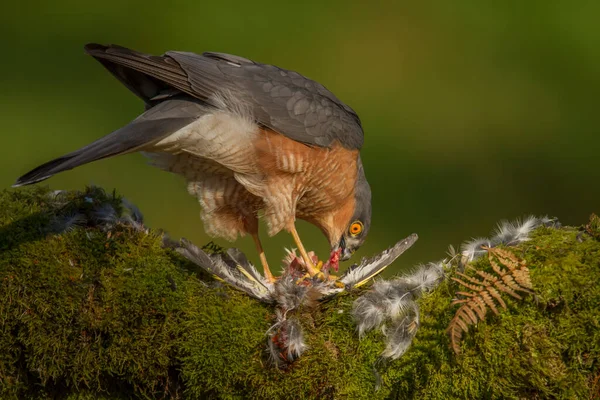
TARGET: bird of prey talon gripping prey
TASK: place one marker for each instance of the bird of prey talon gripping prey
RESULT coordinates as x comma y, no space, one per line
248,138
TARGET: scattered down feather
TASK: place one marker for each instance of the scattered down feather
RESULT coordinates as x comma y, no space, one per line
96,213
507,234
285,340
400,333
391,306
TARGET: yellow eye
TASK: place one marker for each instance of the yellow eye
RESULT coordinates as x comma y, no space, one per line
356,228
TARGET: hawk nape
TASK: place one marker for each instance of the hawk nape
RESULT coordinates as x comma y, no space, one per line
247,137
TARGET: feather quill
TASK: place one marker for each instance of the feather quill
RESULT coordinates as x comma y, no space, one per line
368,268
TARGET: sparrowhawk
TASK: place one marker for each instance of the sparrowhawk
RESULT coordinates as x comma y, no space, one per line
248,138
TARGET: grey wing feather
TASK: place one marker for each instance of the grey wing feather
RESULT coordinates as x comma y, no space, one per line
281,100
237,60
220,268
145,75
160,121
369,267
242,263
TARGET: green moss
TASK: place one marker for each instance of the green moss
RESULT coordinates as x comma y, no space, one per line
546,346
111,313
73,304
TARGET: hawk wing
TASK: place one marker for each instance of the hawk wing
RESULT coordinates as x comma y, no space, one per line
281,100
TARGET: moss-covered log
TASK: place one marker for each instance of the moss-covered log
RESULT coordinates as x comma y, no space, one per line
90,309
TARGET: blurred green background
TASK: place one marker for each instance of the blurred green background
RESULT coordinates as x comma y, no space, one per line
473,111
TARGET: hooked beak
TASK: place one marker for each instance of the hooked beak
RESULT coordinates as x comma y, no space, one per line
346,253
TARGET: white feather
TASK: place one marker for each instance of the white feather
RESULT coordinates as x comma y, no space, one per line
507,233
400,333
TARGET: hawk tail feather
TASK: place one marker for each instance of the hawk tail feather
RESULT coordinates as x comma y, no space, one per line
159,121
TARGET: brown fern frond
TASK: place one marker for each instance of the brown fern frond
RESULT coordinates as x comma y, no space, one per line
479,306
523,278
487,298
471,279
458,301
455,331
474,288
510,282
456,328
497,269
467,310
496,295
484,289
506,258
460,320
467,294
487,277
506,289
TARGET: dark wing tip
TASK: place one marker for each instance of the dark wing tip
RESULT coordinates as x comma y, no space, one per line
28,180
18,183
44,171
92,48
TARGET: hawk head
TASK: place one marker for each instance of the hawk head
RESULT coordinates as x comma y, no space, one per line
355,233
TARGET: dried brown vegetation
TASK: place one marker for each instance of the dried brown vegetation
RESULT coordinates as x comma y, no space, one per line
510,275
593,227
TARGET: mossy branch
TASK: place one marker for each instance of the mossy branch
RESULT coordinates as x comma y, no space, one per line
105,310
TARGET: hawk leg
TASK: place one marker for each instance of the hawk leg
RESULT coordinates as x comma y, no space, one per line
263,258
310,268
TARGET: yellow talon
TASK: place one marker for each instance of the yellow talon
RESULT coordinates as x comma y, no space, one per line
300,280
321,276
339,284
